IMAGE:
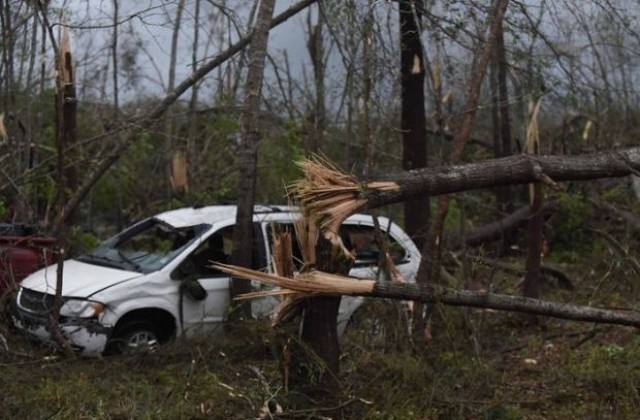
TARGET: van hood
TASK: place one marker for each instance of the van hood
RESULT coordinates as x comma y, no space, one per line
80,279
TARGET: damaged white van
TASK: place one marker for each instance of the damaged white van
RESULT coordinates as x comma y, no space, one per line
128,294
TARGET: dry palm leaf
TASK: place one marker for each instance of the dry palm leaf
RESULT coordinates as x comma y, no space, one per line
311,282
283,266
179,178
3,130
328,195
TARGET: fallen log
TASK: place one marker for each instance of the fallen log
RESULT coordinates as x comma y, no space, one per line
496,230
331,196
563,280
320,283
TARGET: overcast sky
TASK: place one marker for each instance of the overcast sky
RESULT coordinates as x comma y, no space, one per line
151,21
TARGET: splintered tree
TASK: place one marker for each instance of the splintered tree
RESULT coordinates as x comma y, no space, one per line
65,106
531,283
327,197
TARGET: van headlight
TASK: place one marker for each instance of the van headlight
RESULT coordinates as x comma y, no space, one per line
79,308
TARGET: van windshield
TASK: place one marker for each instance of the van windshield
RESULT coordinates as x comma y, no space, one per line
145,247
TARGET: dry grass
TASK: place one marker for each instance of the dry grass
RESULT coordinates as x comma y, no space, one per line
513,372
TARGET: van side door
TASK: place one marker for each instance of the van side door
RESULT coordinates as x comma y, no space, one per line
204,289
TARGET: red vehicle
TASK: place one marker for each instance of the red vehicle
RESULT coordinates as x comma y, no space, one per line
22,251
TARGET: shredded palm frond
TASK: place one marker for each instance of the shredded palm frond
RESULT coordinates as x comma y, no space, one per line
326,196
329,195
265,293
311,282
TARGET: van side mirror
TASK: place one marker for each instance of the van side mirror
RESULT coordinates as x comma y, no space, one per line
186,273
186,269
191,287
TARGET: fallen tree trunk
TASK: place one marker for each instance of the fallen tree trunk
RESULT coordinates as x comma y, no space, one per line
563,280
333,196
519,169
316,282
497,230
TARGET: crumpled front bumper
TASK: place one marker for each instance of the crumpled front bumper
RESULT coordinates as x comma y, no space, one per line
87,337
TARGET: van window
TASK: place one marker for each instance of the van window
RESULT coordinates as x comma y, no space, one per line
218,247
359,239
145,247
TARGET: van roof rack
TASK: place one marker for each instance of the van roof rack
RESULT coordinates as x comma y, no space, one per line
271,208
257,208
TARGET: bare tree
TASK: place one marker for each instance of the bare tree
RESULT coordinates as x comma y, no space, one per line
243,232
316,48
368,141
502,126
137,125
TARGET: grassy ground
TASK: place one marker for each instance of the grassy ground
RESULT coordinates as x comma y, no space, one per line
479,364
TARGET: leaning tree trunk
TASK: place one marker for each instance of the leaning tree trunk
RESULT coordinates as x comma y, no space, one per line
248,156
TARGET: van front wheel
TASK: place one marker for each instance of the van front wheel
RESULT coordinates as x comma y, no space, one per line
135,337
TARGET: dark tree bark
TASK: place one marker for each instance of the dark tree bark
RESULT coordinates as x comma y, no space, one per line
502,128
242,254
497,230
413,120
319,332
531,284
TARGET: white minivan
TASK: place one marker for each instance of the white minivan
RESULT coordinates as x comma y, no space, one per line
129,292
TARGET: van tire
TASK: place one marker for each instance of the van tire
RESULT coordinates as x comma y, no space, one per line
136,336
